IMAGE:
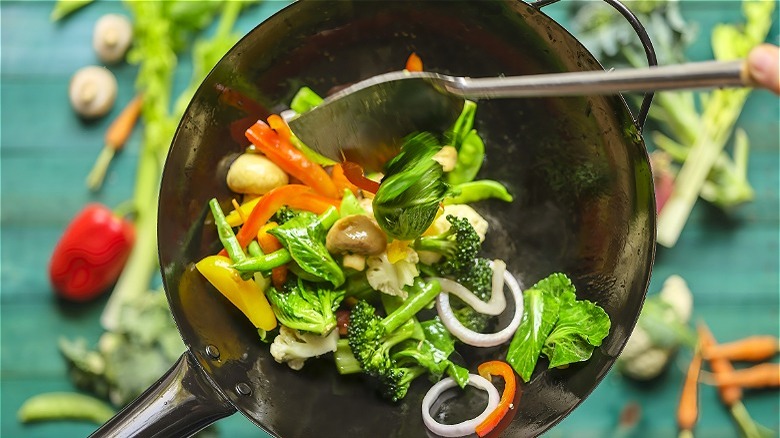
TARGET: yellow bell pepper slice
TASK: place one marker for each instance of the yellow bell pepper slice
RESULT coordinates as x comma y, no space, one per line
244,294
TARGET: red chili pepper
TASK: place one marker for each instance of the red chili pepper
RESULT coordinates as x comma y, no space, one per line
91,253
488,370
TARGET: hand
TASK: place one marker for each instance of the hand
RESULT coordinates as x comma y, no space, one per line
763,62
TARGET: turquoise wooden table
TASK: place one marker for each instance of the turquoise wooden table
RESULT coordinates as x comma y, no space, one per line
729,260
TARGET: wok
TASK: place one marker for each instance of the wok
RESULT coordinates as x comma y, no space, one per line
577,167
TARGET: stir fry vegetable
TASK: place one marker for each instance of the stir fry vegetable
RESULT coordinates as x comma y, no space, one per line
386,272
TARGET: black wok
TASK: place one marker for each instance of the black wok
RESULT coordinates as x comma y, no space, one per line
578,169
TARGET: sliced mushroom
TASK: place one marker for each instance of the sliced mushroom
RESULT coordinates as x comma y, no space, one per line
92,91
111,37
255,174
355,234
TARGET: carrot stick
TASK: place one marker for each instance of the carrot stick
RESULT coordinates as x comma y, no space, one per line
765,375
269,243
688,409
116,136
729,394
752,349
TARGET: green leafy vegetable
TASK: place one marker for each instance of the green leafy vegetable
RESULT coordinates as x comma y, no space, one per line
304,237
581,326
306,307
412,189
131,357
556,324
540,311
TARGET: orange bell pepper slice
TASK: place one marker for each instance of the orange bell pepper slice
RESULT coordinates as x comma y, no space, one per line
265,208
488,370
291,159
269,243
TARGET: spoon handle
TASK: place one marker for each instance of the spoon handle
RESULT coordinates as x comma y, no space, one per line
708,74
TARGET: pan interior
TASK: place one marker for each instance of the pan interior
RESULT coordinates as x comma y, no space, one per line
577,168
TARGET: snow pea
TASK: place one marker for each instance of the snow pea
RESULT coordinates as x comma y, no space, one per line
474,191
64,406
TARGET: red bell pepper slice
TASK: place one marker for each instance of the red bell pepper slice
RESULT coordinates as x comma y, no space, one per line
488,370
354,174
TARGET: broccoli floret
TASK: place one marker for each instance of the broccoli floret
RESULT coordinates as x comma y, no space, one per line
479,280
304,306
459,245
283,215
395,384
294,347
371,337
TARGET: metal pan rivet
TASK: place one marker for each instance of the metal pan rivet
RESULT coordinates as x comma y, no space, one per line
212,351
243,388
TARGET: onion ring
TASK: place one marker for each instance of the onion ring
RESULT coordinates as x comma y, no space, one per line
464,428
497,303
471,337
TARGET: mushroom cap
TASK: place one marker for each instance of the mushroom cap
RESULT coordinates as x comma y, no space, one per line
92,91
111,37
356,234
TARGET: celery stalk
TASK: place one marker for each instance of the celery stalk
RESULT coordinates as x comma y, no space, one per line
720,114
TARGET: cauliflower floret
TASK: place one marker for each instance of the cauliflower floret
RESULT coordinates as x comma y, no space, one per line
391,278
294,347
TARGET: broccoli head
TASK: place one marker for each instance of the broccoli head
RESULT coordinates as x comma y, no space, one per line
372,337
306,306
459,245
283,215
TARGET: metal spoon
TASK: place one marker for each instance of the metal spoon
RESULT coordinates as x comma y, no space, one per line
364,122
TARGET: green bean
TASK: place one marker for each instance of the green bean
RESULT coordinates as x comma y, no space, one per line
64,406
225,232
254,249
477,191
263,263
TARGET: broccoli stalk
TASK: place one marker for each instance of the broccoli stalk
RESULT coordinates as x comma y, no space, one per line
459,246
307,309
370,338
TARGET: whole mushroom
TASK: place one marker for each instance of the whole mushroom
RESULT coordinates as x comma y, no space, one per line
111,37
355,234
92,91
255,174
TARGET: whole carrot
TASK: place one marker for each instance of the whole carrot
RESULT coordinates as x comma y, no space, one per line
729,394
688,409
116,136
751,349
765,375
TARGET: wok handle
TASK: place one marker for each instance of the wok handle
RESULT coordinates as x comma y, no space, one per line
181,403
